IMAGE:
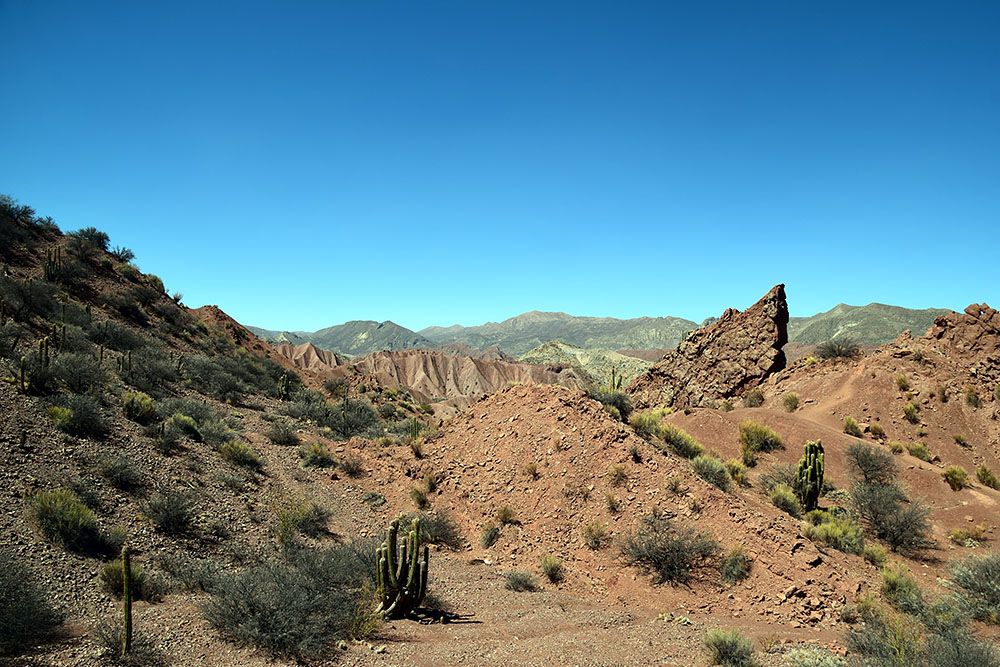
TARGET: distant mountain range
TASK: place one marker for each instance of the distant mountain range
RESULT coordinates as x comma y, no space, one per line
352,338
520,334
873,324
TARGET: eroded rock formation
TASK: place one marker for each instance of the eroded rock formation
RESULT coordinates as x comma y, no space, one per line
721,360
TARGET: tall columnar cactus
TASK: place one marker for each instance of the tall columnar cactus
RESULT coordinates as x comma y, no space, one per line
53,264
616,380
127,597
402,572
284,387
811,474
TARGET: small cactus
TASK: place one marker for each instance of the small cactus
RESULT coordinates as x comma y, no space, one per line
127,597
401,572
811,474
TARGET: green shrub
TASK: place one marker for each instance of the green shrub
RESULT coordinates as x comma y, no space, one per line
874,554
729,648
961,440
282,433
506,515
712,470
553,569
142,587
80,373
911,412
240,453
617,475
63,518
296,609
972,397
834,349
26,613
195,575
184,425
901,590
352,465
680,442
171,512
968,537
978,581
956,477
851,427
919,450
905,527
301,518
987,478
736,565
753,398
316,455
489,536
613,399
902,382
648,423
876,430
886,639
351,417
786,500
778,474
139,407
668,553
216,432
872,464
595,535
790,401
119,470
419,497
813,657
756,438
81,416
839,533
520,581
737,471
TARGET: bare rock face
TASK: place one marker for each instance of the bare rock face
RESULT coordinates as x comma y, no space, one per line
721,360
973,337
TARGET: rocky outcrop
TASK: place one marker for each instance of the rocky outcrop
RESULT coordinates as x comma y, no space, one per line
721,360
973,337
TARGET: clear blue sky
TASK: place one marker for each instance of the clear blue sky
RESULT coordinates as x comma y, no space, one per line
301,164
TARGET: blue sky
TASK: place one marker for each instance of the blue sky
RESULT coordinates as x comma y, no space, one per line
302,164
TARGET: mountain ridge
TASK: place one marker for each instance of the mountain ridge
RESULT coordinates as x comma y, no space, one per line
871,324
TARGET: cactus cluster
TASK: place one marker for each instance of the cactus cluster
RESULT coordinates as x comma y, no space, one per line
125,365
284,387
53,265
402,572
32,376
810,477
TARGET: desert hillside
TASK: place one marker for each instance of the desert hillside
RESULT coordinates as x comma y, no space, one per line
810,510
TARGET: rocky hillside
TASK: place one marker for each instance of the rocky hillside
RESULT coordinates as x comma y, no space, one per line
873,324
593,363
